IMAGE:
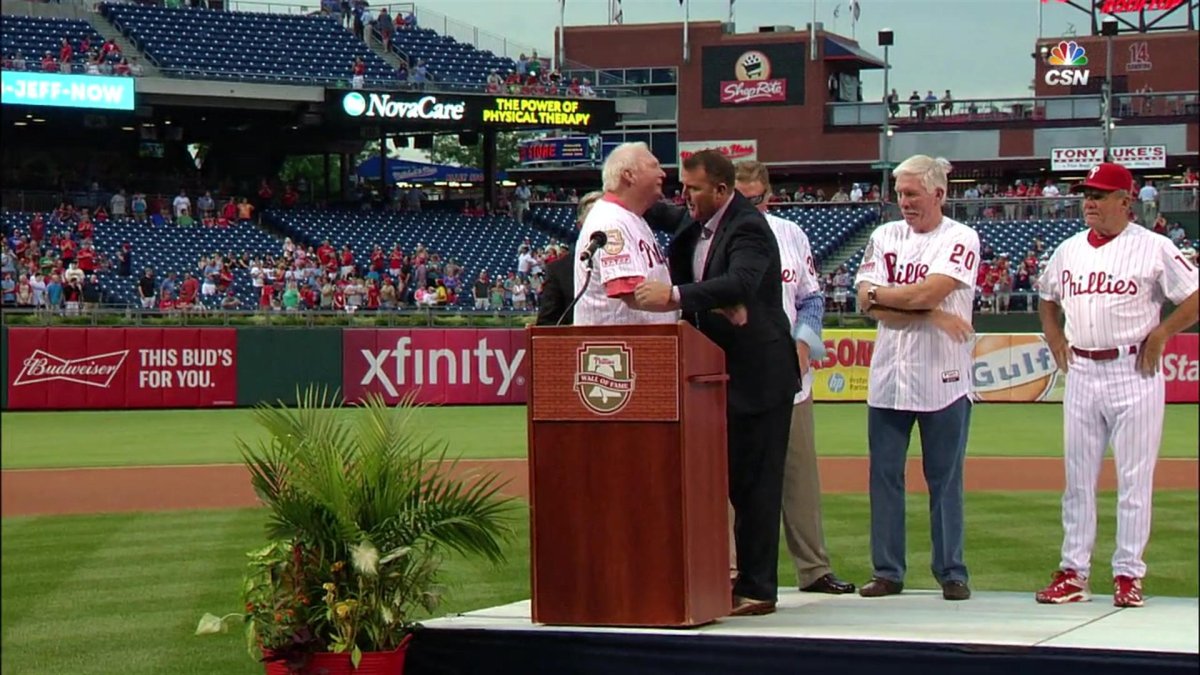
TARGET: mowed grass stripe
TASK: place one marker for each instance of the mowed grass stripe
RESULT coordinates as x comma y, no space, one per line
151,576
122,593
178,437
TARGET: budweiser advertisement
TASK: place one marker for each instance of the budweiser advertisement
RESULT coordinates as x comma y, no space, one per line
78,368
456,366
736,151
753,75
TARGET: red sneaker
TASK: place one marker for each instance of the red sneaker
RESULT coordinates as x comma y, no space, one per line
1066,586
1127,592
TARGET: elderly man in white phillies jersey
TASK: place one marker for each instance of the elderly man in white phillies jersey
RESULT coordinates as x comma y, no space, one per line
804,304
632,184
1111,281
918,280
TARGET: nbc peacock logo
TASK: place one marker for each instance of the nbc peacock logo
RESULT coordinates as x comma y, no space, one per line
1067,61
1068,54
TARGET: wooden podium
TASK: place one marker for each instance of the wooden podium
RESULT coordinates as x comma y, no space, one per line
627,476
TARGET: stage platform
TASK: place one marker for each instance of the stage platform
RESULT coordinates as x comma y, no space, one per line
991,633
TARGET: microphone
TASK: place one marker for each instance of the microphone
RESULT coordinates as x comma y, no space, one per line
598,240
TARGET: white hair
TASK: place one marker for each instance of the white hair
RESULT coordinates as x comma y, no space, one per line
932,172
625,156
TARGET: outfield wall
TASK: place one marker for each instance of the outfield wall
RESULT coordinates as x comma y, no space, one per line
113,368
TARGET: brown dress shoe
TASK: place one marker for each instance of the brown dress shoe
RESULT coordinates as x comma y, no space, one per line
877,588
829,584
956,590
750,607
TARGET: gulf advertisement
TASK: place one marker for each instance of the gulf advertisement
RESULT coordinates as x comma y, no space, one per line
107,368
1006,368
442,367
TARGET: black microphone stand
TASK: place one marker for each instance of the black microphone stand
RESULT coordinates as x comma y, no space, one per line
586,280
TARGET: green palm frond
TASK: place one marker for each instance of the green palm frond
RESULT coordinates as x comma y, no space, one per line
333,482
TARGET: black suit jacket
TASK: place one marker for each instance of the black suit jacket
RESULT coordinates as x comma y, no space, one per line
558,290
742,268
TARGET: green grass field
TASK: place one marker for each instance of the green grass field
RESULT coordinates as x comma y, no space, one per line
122,593
129,438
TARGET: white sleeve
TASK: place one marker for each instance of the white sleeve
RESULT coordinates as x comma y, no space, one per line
873,269
1050,283
1178,279
959,260
808,283
619,257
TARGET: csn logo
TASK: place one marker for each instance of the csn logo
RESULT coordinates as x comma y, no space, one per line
1067,61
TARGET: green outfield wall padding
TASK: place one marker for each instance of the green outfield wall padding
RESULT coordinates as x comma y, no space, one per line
4,368
272,362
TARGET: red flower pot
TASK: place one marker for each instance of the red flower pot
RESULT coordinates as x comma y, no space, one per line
326,663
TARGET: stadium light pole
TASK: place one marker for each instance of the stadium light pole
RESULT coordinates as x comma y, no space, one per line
885,41
1109,30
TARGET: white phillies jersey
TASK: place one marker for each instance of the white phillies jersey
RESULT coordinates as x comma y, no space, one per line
799,278
1112,296
631,252
919,367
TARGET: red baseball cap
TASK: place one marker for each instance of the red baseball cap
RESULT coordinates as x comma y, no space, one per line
1107,176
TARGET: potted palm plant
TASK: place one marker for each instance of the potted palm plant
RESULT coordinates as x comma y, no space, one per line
362,509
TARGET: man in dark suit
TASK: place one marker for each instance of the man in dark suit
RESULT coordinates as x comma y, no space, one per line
556,293
558,290
725,269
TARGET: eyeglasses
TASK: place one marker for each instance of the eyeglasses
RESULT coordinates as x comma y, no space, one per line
757,199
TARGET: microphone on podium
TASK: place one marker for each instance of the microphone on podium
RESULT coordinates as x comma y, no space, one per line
598,239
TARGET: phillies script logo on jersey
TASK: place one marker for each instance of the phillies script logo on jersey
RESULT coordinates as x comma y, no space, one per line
908,273
605,378
1097,283
92,371
790,276
738,91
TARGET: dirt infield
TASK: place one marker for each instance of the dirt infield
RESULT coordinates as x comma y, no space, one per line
164,488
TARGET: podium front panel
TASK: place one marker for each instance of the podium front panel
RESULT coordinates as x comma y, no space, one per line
619,379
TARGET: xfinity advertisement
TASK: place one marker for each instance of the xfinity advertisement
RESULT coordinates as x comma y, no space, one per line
399,111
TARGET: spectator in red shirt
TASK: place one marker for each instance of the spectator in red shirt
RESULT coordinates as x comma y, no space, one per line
87,259
49,65
85,228
165,302
290,197
68,249
347,261
65,51
188,290
37,228
377,259
372,295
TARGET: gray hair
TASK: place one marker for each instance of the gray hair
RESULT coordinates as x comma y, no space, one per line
623,157
932,172
585,205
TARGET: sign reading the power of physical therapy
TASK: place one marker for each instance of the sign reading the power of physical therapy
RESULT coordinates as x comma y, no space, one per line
461,112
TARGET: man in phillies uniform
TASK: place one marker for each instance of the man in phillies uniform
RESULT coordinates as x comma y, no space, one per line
632,184
804,305
918,280
1110,282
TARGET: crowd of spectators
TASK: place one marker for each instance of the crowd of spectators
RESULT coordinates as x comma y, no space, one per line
79,56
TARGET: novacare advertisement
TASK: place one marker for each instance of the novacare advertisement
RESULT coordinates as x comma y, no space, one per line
442,366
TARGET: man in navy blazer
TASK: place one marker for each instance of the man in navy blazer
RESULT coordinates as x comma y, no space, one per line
725,272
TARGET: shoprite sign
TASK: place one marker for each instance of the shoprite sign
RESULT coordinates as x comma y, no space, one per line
419,110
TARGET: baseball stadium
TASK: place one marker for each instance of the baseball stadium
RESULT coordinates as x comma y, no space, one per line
291,385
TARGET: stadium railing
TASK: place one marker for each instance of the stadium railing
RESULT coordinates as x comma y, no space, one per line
1024,109
121,315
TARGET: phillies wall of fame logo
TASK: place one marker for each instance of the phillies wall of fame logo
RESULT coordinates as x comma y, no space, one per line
93,371
604,378
754,83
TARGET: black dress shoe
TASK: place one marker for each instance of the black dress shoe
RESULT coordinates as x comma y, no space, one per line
956,590
877,588
829,584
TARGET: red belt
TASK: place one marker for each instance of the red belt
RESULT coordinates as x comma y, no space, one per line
1103,354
